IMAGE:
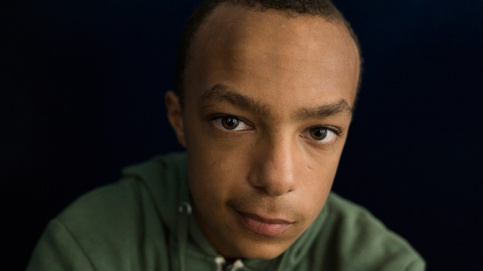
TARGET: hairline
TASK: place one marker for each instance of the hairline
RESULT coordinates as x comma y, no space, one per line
335,17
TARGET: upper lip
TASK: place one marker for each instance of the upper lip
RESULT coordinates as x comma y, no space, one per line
265,219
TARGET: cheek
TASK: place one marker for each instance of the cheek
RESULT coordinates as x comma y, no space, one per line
316,192
214,172
312,199
321,167
318,176
211,157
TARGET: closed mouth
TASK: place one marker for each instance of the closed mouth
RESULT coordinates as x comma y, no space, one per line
264,225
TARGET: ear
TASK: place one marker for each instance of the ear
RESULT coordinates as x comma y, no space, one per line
175,116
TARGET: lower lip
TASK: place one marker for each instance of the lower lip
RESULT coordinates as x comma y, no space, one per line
262,227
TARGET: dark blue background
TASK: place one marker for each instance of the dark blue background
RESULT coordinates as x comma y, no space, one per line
82,87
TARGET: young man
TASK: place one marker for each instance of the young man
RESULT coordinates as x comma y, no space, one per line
266,91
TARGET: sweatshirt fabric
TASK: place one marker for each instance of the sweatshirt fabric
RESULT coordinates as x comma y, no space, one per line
144,222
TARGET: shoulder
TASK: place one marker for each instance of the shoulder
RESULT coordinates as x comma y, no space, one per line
113,226
96,232
110,225
145,192
362,242
106,208
140,199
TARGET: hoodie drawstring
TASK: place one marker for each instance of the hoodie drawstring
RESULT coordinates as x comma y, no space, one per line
219,263
238,264
184,211
222,266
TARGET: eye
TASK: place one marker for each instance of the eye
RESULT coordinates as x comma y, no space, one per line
230,123
320,134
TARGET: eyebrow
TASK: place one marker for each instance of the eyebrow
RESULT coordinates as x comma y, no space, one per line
324,111
221,92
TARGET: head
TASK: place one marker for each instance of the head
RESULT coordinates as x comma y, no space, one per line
265,100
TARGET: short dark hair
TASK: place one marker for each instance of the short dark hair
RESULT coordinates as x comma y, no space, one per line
322,8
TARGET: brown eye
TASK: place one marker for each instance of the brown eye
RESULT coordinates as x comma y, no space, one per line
318,133
229,123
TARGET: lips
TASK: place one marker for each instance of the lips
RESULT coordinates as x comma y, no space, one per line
264,226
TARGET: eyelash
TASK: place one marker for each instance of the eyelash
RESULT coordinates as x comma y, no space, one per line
219,117
337,131
336,134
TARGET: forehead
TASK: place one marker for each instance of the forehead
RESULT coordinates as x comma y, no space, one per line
270,51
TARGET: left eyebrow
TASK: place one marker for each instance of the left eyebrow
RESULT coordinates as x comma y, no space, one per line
324,111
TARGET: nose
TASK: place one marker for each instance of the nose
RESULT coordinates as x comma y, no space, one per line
274,169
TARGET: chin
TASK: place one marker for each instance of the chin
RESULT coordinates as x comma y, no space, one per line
266,256
261,251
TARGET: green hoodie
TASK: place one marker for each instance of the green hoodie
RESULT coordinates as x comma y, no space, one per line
144,222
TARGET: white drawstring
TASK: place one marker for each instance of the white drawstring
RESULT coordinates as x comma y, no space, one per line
220,261
183,221
238,264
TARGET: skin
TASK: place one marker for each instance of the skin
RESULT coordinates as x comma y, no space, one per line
258,88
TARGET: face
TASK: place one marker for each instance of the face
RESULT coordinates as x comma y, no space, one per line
267,111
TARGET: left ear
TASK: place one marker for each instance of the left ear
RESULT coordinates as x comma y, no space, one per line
175,116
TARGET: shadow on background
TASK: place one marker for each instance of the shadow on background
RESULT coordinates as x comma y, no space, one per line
82,89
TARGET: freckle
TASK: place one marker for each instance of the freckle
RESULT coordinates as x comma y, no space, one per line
309,168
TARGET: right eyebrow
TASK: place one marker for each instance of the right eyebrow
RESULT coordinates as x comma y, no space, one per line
221,92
